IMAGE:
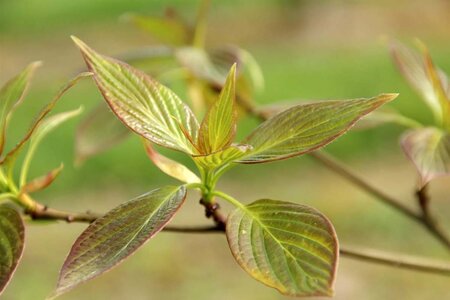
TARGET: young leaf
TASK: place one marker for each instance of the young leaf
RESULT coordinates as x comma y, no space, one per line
305,128
42,182
217,159
115,236
98,132
11,156
171,167
11,95
144,105
290,247
45,128
429,150
218,128
12,238
170,29
422,76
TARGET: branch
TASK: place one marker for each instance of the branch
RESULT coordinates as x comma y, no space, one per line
374,256
424,219
398,260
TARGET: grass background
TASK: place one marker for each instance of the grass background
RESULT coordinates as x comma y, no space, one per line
307,50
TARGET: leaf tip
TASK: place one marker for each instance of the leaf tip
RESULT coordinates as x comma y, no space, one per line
388,96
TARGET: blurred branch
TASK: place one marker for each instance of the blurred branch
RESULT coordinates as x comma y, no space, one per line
424,218
398,260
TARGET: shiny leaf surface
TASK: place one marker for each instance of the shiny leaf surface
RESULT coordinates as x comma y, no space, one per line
290,247
305,128
144,105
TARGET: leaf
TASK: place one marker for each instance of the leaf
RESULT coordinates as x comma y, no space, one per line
11,95
429,149
42,182
218,128
221,158
12,239
98,132
170,29
290,247
305,128
144,105
422,76
11,156
171,167
115,236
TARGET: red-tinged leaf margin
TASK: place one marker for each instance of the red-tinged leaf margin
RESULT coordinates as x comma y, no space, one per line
176,193
13,218
42,182
10,157
251,158
26,75
154,129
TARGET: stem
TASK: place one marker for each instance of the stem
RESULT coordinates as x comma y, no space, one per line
398,260
41,212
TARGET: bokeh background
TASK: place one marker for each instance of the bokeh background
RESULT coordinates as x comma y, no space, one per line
307,50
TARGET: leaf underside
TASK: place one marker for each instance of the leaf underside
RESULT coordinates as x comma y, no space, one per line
12,233
118,234
429,150
171,167
305,128
144,105
290,247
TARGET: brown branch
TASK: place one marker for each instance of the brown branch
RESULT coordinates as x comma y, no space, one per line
398,260
43,213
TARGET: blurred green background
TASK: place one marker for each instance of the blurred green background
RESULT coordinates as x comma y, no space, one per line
307,50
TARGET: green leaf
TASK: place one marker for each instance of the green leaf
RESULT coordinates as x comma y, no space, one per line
424,78
98,132
171,167
12,239
290,247
221,158
170,29
144,105
429,150
218,128
11,95
305,128
115,236
11,156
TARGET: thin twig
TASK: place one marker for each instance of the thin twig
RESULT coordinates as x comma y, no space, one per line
398,260
370,255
